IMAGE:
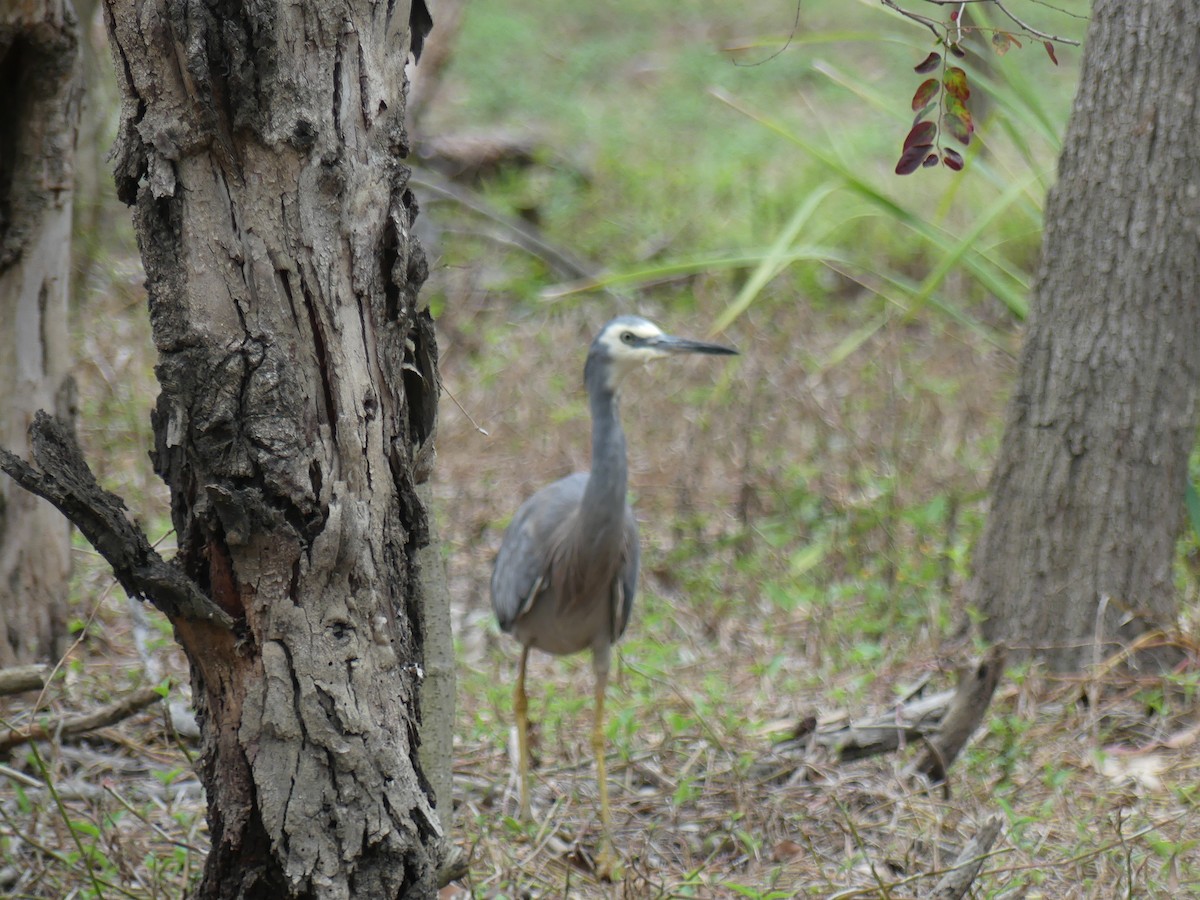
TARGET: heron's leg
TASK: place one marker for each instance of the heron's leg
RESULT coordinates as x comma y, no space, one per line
521,711
607,864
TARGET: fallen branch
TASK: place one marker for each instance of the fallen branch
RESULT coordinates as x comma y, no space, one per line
19,679
956,882
73,725
943,722
904,724
970,704
66,481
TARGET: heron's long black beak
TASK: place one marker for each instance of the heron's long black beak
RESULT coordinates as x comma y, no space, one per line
671,344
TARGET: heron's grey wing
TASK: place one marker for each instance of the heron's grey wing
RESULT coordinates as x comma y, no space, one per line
627,584
522,565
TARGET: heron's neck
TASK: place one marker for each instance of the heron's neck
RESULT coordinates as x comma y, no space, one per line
604,498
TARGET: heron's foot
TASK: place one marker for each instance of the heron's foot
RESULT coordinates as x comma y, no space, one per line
608,865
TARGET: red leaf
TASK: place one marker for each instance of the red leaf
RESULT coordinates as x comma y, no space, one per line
951,159
926,92
954,15
910,160
958,51
956,83
922,135
1050,49
930,160
928,64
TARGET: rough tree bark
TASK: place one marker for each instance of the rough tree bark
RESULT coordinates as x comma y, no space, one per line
261,145
39,117
1088,494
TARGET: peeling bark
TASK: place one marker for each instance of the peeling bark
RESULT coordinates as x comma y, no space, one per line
261,146
40,93
1088,494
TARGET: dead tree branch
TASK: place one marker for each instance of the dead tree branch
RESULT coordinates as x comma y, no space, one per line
970,704
72,725
63,477
943,721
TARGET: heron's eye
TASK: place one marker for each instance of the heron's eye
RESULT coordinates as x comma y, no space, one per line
628,337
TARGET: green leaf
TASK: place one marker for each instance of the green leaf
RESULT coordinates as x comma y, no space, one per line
959,125
809,558
926,92
956,83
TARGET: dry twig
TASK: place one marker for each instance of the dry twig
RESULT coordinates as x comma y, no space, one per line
72,725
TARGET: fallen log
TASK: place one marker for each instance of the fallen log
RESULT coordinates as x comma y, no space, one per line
958,880
18,679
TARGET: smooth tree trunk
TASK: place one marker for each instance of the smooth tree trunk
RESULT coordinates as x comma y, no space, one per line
40,93
1088,496
261,145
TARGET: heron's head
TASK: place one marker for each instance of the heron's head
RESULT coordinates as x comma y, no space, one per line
629,341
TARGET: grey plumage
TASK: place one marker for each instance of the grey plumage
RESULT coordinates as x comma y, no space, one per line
566,574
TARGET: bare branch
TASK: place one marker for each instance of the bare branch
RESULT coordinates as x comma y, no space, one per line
72,725
932,24
1033,31
66,481
939,28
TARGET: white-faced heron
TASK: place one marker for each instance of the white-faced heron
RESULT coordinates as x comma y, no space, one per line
567,569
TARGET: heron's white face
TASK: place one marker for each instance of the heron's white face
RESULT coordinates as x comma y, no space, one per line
631,341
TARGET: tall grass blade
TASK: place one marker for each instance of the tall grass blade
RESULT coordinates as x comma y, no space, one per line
776,259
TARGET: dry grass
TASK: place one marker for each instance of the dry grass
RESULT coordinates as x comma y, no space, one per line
710,679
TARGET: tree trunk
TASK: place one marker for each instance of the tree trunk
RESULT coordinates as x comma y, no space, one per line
39,117
261,146
1088,494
